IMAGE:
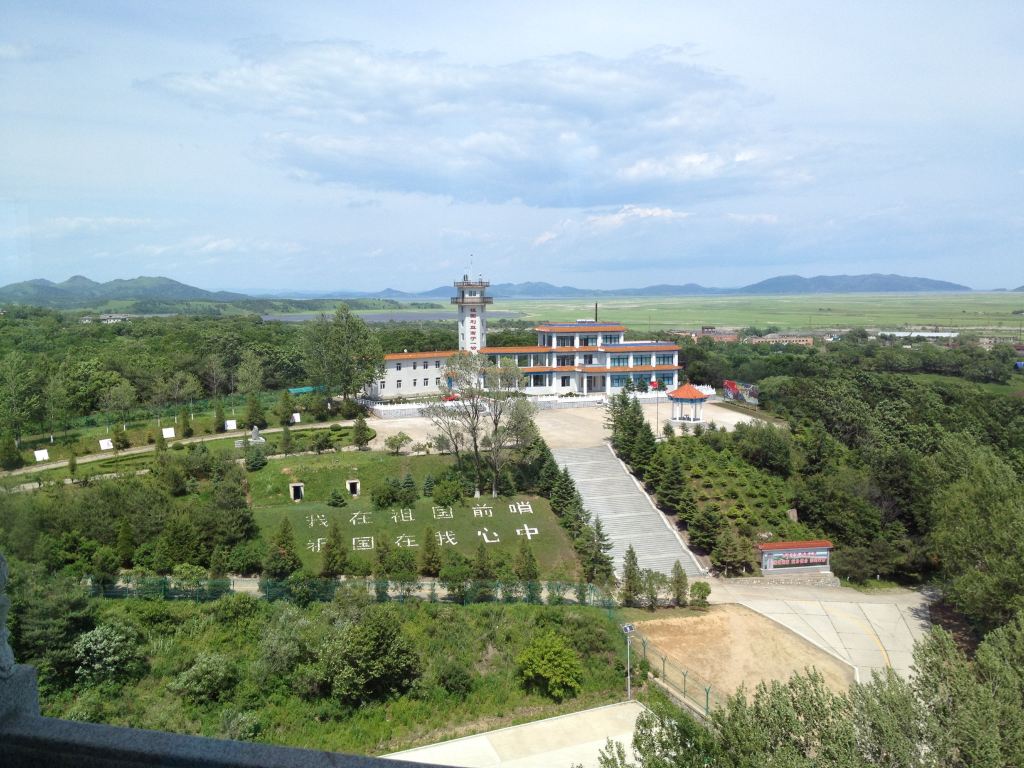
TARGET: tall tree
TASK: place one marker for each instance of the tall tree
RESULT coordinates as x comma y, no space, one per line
334,555
19,393
282,560
249,376
632,580
341,354
680,585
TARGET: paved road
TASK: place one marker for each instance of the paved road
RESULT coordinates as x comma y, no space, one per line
560,741
626,512
870,631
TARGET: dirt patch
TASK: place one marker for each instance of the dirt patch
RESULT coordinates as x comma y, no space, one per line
731,646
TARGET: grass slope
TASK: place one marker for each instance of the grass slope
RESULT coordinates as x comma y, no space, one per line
323,474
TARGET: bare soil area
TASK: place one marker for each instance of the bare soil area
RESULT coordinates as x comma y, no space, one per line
731,646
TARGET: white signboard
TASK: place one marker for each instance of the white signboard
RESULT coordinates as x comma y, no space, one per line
230,424
168,433
42,455
106,444
296,418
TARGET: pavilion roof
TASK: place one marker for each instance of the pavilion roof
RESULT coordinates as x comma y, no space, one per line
687,392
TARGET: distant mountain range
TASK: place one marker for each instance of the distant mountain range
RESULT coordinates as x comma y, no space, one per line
785,285
81,292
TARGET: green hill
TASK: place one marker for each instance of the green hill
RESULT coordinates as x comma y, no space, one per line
81,292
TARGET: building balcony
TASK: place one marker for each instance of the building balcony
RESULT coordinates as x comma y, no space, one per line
473,300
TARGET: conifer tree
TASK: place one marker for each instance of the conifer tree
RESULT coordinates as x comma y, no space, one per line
680,585
409,486
360,433
184,423
282,560
430,555
161,441
72,465
428,486
704,526
563,493
335,556
10,458
527,571
732,554
657,466
603,565
632,581
286,439
668,431
218,416
285,409
254,412
219,562
125,546
670,488
643,449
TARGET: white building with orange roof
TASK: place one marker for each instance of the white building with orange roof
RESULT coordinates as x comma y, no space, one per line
578,358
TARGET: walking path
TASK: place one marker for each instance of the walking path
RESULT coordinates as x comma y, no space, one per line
626,512
574,739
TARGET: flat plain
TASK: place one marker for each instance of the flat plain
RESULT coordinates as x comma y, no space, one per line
956,311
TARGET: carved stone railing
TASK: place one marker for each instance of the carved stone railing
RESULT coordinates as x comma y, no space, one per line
28,740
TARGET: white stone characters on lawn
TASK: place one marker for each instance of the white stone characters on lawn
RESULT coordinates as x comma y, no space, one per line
527,531
487,536
443,513
405,540
315,520
360,518
403,516
483,510
446,537
315,545
362,543
521,508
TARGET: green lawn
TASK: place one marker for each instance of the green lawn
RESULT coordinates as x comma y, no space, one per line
805,312
1014,387
322,474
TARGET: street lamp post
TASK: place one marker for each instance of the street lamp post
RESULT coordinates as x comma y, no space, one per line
627,630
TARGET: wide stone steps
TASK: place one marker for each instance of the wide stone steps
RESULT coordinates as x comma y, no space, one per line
611,494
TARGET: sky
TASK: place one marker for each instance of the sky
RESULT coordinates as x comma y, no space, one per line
266,146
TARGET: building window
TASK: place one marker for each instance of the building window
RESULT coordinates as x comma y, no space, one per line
539,380
618,361
398,384
612,338
565,381
437,363
565,360
522,360
566,341
382,384
588,359
619,380
437,382
414,365
414,382
641,360
665,360
588,341
426,364
398,366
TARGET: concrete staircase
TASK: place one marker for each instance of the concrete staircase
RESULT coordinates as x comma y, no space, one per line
626,512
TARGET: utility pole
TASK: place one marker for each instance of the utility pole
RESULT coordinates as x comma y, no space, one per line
627,630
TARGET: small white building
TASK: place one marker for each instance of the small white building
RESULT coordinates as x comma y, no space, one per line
583,357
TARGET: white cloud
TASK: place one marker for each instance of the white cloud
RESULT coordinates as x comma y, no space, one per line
545,237
629,213
753,218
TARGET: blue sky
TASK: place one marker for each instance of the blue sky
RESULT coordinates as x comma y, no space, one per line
251,146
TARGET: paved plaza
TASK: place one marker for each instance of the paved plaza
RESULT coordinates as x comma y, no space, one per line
871,631
558,742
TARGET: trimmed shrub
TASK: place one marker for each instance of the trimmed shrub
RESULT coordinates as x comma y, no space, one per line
207,680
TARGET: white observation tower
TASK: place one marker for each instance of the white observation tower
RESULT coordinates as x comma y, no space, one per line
472,304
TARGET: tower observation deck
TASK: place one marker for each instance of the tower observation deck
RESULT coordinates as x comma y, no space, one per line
472,303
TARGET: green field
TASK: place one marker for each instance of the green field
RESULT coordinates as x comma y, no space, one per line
322,474
974,311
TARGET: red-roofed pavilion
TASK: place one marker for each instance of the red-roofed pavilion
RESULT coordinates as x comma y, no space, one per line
687,395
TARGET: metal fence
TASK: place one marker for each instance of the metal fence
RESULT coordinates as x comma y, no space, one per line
696,691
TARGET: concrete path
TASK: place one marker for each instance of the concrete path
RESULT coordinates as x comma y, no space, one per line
871,631
626,512
557,742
